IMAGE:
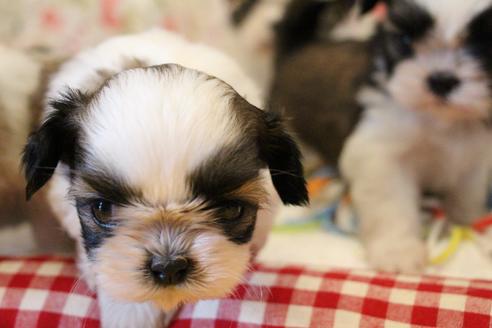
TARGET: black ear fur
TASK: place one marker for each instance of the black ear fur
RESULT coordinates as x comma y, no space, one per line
52,142
368,5
280,152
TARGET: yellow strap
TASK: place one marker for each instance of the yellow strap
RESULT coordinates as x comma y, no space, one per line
458,235
297,228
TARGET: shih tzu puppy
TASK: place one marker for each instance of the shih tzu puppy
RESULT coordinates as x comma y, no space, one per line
317,76
426,126
164,171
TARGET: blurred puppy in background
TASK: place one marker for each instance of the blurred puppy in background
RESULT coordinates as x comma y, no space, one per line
24,229
18,83
163,170
426,125
320,65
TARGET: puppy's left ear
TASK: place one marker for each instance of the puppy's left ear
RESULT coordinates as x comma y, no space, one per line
279,150
52,142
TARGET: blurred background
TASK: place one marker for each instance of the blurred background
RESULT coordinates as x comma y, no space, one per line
245,29
60,28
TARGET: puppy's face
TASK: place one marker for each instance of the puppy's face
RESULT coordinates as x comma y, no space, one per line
436,56
168,170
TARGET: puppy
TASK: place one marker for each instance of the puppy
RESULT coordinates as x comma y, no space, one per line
426,125
18,83
309,65
162,171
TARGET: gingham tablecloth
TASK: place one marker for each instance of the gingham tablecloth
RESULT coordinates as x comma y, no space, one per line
45,292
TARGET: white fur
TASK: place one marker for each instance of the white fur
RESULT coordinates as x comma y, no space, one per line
167,119
470,100
185,119
120,314
452,16
394,154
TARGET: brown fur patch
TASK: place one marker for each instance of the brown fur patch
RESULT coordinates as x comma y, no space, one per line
252,191
316,88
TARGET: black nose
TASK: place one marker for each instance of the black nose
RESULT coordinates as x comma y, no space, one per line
169,271
442,83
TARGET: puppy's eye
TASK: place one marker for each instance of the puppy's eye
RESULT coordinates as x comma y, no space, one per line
102,211
232,211
398,45
406,40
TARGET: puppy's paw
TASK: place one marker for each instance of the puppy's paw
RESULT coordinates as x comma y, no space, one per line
406,255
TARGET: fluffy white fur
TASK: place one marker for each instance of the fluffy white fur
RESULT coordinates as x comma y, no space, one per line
127,93
410,141
155,162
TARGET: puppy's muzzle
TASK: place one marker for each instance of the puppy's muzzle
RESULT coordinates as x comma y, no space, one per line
169,271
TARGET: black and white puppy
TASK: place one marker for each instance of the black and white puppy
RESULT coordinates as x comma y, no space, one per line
426,125
166,175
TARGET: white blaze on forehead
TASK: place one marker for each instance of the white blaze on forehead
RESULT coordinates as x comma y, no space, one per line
452,16
153,127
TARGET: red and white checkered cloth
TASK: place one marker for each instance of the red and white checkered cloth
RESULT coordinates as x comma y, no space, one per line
44,292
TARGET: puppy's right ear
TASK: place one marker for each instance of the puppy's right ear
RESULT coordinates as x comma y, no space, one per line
52,142
281,153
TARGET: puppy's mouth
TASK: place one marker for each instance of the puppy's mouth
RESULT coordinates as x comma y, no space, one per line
448,110
169,263
480,104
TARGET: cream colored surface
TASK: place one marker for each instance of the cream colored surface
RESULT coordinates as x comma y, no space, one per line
325,250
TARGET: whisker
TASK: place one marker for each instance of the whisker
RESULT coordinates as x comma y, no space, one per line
53,168
275,172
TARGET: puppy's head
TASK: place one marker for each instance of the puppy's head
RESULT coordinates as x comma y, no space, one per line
168,168
436,56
